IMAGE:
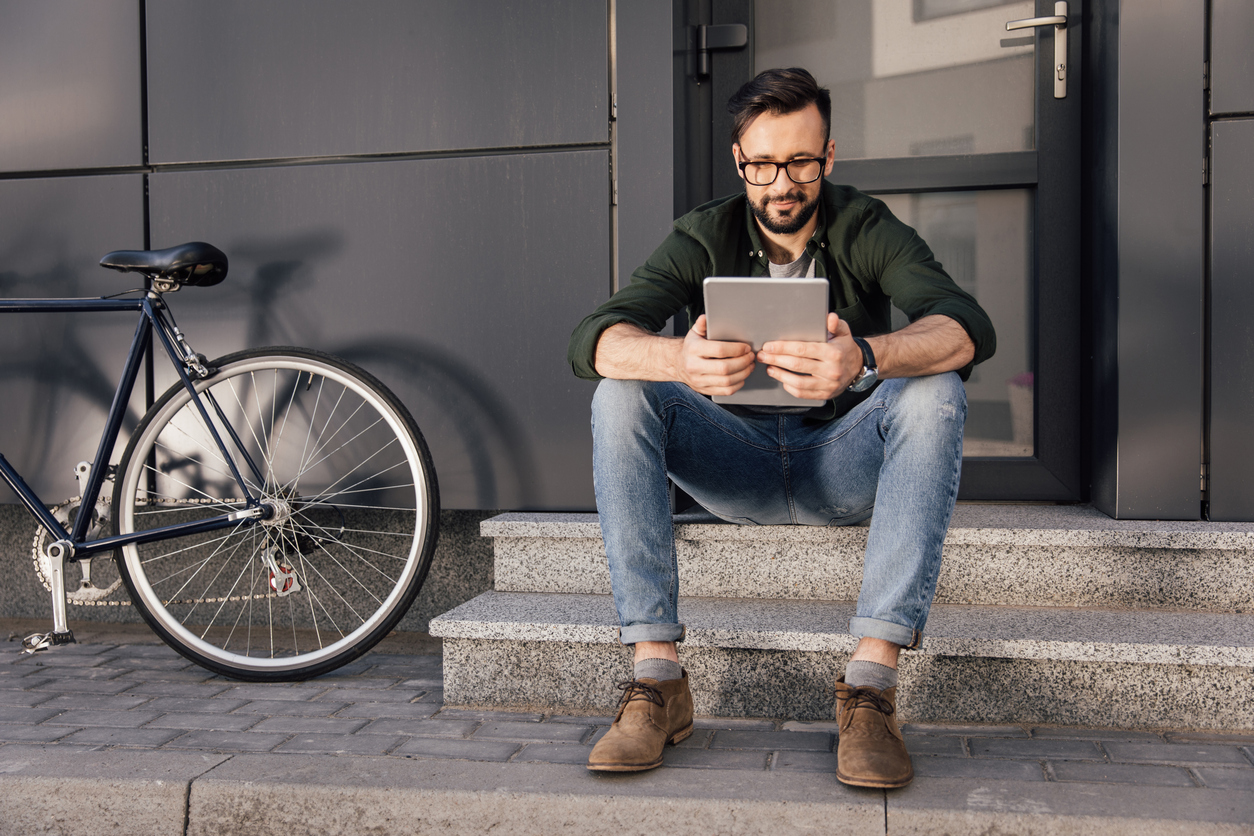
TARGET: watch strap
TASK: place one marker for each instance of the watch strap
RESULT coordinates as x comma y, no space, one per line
868,356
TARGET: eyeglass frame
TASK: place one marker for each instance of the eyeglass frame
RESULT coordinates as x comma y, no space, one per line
742,165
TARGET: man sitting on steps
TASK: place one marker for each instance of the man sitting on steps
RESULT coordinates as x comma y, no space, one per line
884,435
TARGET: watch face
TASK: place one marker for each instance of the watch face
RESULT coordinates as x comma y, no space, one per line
865,380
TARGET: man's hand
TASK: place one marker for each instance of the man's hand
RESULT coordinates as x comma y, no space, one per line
816,371
627,352
710,367
930,345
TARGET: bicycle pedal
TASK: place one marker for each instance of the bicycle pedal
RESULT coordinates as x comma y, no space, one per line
36,642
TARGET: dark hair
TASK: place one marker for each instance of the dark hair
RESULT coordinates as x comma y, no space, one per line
779,92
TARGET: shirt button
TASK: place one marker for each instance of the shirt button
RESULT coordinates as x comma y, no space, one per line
759,253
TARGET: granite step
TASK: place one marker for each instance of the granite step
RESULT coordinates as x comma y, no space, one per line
1015,555
1107,668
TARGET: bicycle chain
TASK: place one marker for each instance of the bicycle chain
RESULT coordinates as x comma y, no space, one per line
37,556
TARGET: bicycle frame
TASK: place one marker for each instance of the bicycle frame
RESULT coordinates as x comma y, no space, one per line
152,316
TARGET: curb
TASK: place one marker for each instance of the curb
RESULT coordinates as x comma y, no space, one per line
66,791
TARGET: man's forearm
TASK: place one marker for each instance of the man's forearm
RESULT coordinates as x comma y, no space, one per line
930,345
628,352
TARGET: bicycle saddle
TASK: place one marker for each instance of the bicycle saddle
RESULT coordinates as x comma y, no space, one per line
195,263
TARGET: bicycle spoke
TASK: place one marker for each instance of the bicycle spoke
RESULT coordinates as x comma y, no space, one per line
358,547
225,598
182,550
216,551
344,444
364,479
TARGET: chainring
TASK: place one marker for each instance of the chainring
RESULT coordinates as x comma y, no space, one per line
86,594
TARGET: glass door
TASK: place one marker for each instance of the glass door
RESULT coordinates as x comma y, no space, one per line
953,121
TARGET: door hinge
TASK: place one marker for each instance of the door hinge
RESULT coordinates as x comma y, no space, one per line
1205,171
1205,75
613,148
718,36
1205,478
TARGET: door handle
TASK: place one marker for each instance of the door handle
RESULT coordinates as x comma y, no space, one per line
1059,22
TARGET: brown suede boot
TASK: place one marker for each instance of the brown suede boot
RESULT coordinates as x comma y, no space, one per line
871,751
650,715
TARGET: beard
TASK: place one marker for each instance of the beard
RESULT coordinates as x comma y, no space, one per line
785,224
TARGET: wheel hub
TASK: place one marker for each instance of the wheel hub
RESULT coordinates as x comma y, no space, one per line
282,511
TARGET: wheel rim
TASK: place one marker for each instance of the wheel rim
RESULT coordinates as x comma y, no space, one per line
229,597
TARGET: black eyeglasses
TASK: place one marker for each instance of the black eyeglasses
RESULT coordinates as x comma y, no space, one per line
801,170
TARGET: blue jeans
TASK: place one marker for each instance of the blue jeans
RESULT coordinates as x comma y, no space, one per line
898,453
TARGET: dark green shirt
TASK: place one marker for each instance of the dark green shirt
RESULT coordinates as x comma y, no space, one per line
872,262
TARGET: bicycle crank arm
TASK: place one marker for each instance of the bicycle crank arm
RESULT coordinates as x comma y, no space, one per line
59,552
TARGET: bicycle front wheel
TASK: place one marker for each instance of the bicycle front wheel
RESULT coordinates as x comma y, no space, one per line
344,555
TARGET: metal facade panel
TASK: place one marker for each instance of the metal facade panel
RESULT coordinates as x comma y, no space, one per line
1232,330
1161,245
1231,64
69,85
242,80
456,281
58,372
646,182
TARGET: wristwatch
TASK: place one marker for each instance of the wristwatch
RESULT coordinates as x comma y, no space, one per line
869,374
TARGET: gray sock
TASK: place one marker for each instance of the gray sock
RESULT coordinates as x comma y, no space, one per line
659,669
870,674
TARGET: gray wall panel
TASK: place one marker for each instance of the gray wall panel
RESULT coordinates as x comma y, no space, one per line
646,182
1161,255
456,281
1231,64
69,84
58,372
1232,330
240,79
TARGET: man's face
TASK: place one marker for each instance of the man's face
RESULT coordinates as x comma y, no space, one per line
785,207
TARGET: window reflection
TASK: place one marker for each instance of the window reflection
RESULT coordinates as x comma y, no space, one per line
908,77
983,239
931,9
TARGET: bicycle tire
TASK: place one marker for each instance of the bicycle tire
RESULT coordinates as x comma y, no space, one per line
358,519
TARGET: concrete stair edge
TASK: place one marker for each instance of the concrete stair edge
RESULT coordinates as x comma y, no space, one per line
819,626
801,567
975,524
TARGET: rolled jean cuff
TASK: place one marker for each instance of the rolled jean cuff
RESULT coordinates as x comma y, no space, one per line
651,633
873,628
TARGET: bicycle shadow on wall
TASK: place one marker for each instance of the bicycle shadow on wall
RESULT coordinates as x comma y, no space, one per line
58,375
483,456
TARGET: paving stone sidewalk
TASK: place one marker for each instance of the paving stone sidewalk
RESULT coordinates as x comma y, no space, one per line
134,698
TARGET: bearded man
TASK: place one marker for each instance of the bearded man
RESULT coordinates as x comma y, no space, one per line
882,440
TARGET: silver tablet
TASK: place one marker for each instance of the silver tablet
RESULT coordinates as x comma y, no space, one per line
756,311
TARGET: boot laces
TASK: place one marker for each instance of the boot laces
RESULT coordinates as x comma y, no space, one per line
634,689
861,696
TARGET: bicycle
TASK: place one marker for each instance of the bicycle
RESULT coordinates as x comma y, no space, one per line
274,513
